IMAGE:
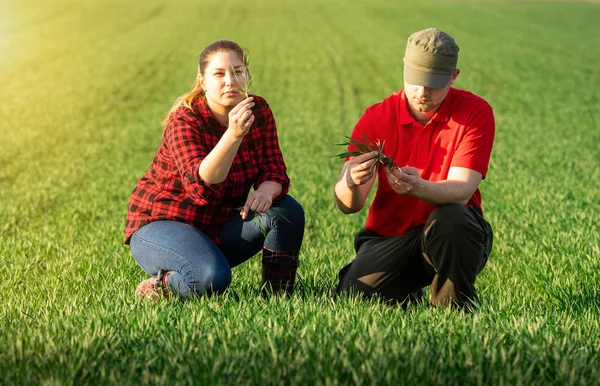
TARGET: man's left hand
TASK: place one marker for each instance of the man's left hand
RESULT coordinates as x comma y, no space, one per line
406,180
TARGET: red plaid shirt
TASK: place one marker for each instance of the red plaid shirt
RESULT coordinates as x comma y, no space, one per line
172,188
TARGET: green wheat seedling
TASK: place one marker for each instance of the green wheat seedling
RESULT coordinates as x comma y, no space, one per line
245,89
365,146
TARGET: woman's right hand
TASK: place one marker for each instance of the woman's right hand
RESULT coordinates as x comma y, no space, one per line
241,118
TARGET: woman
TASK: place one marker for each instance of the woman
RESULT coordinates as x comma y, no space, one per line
191,216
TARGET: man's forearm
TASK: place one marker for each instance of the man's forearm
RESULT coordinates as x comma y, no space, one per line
445,192
347,200
355,183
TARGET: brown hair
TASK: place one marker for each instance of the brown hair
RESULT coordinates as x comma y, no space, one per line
197,91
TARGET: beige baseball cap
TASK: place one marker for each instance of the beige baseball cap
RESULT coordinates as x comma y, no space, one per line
430,58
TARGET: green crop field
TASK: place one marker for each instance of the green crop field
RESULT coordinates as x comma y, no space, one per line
84,86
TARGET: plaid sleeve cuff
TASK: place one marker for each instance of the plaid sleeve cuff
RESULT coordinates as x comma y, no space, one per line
283,180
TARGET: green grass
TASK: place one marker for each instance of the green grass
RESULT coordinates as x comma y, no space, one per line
84,86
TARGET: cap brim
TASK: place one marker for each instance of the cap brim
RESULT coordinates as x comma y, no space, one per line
426,79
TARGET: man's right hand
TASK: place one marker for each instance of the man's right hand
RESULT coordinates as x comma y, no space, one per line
361,169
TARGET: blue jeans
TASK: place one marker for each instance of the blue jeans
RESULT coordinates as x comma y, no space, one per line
199,265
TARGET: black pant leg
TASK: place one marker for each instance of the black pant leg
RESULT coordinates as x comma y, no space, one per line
391,267
457,241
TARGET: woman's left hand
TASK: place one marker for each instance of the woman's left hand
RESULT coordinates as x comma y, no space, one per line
257,201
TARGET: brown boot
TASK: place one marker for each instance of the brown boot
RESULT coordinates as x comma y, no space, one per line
155,288
279,271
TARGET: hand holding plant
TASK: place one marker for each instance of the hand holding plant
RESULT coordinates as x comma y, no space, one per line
405,181
241,118
361,169
365,146
257,201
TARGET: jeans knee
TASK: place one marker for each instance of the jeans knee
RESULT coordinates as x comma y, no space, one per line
291,213
213,279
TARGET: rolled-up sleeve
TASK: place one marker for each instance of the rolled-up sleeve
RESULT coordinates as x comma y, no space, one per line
188,145
475,148
273,166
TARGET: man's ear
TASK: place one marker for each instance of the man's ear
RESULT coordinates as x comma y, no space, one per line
454,76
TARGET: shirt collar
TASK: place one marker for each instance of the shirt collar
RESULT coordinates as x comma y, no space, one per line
206,112
202,108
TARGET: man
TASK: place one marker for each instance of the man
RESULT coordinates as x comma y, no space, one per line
425,225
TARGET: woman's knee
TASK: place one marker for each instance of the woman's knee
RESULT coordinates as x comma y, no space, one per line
210,279
290,212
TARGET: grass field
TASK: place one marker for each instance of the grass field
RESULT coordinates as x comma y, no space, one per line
84,86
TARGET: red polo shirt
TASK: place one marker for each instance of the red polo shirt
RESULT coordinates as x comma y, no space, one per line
461,133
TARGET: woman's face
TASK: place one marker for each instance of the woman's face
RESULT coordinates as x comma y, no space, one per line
224,80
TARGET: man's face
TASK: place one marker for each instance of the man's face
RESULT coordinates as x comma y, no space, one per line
424,99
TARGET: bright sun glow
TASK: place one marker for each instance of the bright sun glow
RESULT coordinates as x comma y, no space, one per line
3,31
7,34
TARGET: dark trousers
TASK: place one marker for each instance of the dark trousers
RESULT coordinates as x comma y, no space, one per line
447,253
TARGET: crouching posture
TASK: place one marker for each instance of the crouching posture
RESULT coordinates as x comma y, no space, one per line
216,191
425,226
